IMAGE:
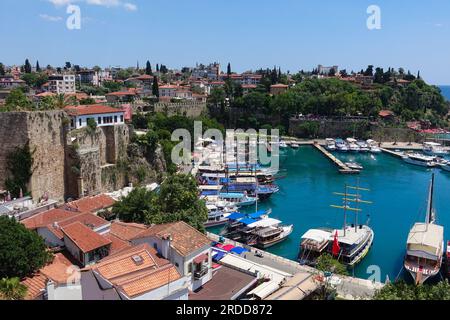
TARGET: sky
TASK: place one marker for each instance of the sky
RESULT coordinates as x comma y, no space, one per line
250,34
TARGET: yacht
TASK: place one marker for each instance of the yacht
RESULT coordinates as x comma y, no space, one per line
425,245
216,216
373,146
341,146
348,245
363,146
352,146
283,145
433,149
354,165
420,160
330,144
295,145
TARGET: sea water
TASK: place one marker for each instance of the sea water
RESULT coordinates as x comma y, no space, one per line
398,191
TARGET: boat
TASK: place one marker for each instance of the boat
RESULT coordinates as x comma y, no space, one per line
446,167
295,145
352,146
433,149
216,216
373,146
283,145
420,160
330,144
363,146
354,165
341,146
348,245
240,199
425,245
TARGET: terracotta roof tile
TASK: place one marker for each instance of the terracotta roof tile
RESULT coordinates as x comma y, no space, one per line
47,217
117,244
35,284
92,204
126,231
91,109
83,237
59,270
185,239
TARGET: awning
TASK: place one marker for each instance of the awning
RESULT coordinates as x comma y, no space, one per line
264,223
201,258
257,214
248,221
236,216
228,247
219,256
238,250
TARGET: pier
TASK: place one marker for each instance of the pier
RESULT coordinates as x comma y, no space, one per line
343,168
349,288
392,153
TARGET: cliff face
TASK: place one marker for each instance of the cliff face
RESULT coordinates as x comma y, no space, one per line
74,163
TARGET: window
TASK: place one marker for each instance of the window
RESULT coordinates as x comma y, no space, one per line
155,245
190,267
115,119
79,121
121,118
99,120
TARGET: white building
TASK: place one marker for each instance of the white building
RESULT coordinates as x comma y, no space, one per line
62,84
184,246
101,114
168,91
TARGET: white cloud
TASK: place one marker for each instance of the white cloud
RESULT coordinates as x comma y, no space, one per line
102,3
50,18
130,7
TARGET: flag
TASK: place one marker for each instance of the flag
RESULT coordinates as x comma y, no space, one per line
336,247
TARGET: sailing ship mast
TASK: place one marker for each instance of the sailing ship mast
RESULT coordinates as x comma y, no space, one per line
431,216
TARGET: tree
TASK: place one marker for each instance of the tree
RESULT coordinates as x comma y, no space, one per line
402,291
229,69
38,67
34,79
68,66
155,87
2,69
22,251
369,71
87,101
17,101
163,69
62,101
177,200
326,263
148,69
27,66
12,289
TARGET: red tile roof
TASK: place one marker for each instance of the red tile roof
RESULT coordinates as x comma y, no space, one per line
279,85
47,217
36,286
93,204
386,113
84,238
59,270
185,239
91,109
126,231
117,244
122,93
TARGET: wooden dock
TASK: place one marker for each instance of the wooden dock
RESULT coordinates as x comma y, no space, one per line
392,153
343,168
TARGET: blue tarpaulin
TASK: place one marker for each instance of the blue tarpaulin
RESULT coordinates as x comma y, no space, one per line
257,214
219,256
238,250
248,221
236,216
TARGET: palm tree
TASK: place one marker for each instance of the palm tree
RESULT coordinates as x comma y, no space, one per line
62,101
12,289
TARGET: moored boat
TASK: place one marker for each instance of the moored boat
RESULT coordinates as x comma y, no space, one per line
433,149
419,160
425,245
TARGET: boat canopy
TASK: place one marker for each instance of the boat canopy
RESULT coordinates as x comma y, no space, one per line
211,207
213,175
236,216
317,235
264,223
210,187
257,214
433,144
245,180
351,237
426,238
249,222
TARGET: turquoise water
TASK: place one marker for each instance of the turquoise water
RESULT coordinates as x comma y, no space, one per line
445,91
398,190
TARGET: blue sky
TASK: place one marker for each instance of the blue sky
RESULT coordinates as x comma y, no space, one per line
294,34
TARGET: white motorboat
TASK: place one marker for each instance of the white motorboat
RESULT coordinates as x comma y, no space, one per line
295,145
341,146
433,149
283,145
330,144
352,146
363,146
420,160
373,145
354,165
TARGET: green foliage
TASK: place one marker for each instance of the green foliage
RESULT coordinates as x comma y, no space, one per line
308,129
35,79
155,87
91,124
12,289
87,101
22,251
402,291
326,263
177,200
112,86
19,166
17,101
2,69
